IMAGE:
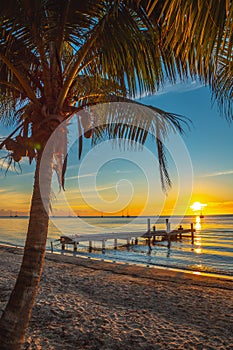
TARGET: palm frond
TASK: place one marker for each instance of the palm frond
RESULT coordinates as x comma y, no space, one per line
195,36
132,123
59,56
222,85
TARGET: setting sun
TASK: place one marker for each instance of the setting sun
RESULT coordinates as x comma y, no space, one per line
197,206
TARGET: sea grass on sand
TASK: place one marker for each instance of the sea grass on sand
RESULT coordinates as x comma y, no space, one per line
85,304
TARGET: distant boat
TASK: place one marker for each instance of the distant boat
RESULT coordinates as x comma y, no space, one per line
102,215
13,216
128,216
122,215
201,215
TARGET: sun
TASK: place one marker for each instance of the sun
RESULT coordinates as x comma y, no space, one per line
197,206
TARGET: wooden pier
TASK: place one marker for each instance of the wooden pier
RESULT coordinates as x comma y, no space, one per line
149,237
128,237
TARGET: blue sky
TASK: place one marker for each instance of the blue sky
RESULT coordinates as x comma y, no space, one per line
209,143
210,139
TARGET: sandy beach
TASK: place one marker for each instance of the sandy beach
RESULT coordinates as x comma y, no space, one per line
86,304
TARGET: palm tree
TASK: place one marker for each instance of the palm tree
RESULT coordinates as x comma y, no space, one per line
197,38
60,57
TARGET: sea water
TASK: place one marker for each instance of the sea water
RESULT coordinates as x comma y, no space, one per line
211,251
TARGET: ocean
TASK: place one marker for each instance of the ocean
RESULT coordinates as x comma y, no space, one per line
211,251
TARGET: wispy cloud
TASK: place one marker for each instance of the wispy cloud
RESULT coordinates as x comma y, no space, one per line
80,176
4,166
124,171
2,190
225,204
97,189
219,173
179,87
32,173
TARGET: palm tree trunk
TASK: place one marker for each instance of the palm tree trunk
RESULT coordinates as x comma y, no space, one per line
16,317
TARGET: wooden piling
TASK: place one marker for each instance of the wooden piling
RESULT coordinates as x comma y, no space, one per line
103,244
128,244
192,233
169,241
115,243
51,243
148,241
90,246
180,229
168,226
148,225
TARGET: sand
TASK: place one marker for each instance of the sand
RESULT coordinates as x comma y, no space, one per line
85,304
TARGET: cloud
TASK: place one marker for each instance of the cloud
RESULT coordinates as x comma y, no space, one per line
124,171
222,205
219,173
4,166
179,87
2,190
80,176
97,189
32,173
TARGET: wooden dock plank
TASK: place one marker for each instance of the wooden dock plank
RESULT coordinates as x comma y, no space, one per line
101,237
119,235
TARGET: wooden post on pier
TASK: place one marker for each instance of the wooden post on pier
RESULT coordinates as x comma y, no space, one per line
63,246
115,243
75,246
103,244
180,229
128,243
192,233
51,243
148,241
154,230
168,226
90,246
148,225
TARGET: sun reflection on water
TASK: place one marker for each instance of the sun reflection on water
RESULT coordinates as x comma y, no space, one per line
198,224
198,249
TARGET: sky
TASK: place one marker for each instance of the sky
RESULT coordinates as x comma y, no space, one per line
113,180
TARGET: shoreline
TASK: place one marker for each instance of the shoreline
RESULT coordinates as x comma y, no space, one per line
92,305
146,265
118,267
210,253
71,254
